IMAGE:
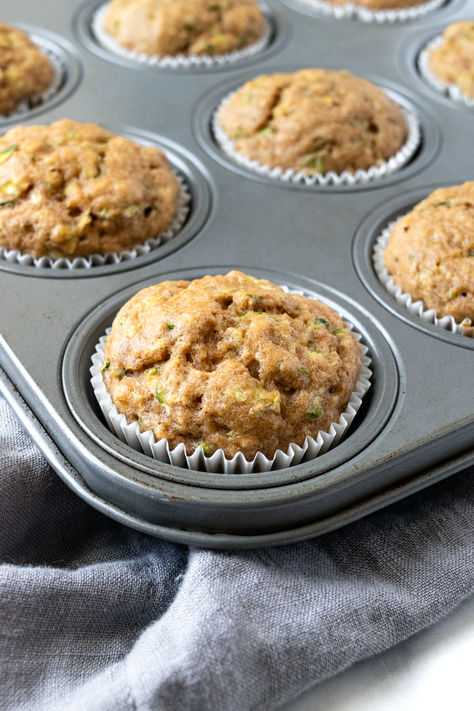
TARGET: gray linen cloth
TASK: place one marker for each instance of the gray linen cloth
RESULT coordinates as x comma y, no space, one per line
95,616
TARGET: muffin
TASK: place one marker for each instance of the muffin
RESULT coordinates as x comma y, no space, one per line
74,189
453,61
314,121
375,5
229,362
189,27
430,253
25,73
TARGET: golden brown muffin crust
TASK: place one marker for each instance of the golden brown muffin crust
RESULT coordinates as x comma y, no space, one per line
230,362
25,73
190,27
453,61
74,189
314,120
430,253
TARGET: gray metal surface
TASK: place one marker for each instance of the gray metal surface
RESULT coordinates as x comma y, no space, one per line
417,422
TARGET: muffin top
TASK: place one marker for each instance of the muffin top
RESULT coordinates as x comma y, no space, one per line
314,120
25,73
74,189
172,27
230,362
430,253
453,61
375,5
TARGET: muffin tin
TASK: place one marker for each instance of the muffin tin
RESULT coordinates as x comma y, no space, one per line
416,424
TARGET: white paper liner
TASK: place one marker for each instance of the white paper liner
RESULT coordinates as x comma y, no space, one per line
401,158
28,104
160,450
13,256
416,308
452,91
353,11
180,61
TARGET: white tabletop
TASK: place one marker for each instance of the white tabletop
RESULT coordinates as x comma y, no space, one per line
433,670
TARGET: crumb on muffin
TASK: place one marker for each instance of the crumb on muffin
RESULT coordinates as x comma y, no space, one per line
430,254
75,189
314,120
25,72
453,60
231,362
189,27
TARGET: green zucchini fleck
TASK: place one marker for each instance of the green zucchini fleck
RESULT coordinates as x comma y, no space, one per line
302,369
105,367
124,371
322,321
5,155
205,449
170,326
338,331
7,202
443,202
313,414
316,162
159,396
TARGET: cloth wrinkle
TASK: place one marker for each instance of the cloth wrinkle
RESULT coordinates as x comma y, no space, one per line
97,616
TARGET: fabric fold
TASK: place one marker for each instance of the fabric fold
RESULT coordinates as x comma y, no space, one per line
94,615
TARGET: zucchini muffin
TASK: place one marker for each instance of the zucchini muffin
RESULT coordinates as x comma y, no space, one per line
314,120
25,72
453,61
230,362
190,27
430,254
74,189
375,5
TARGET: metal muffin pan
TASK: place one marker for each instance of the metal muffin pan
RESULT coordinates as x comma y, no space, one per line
416,425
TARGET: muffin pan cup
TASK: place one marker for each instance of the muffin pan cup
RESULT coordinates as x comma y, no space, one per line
13,256
160,449
359,177
353,11
180,61
416,307
22,109
415,425
452,91
67,74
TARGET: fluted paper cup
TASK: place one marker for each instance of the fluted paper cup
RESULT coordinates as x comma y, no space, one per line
415,308
180,61
160,450
13,256
452,91
23,108
353,11
401,158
